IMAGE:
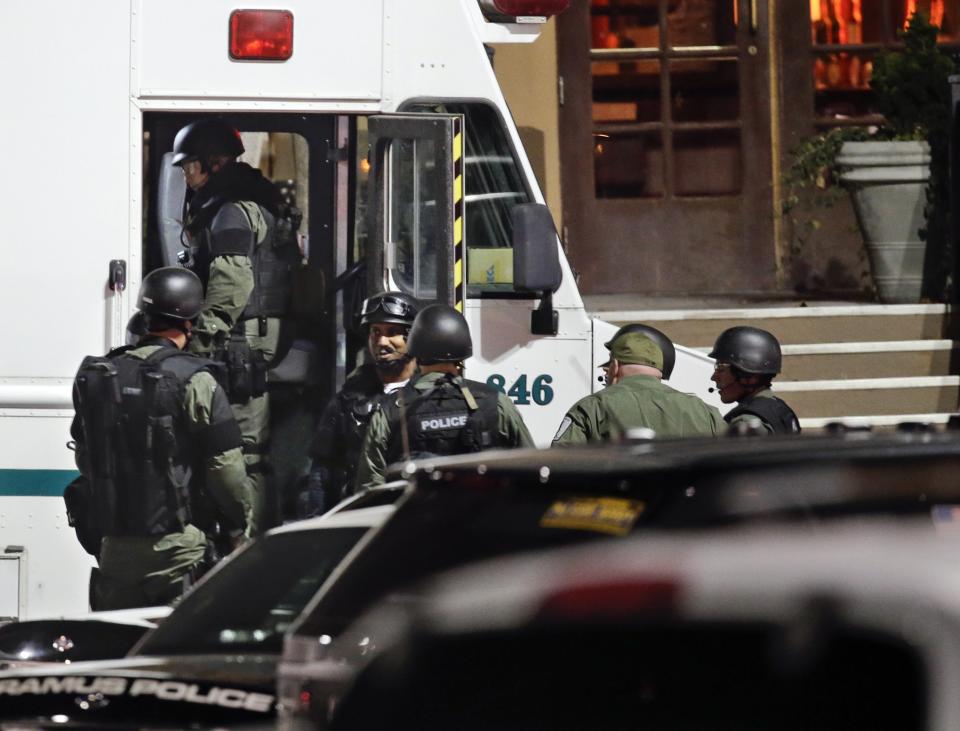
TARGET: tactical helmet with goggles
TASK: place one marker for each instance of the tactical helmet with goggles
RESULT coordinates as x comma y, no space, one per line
395,308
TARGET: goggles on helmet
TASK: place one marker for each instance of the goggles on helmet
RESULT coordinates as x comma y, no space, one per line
390,305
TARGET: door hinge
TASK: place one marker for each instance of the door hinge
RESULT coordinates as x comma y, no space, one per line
560,91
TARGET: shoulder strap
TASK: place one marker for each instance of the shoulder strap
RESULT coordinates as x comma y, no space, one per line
257,222
118,351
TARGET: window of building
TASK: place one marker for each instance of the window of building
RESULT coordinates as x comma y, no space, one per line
846,37
666,98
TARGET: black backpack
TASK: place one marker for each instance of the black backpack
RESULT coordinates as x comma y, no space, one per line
131,446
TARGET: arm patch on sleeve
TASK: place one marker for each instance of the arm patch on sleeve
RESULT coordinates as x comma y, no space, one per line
564,426
231,241
218,438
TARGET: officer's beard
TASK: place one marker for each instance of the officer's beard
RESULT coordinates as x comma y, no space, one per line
391,367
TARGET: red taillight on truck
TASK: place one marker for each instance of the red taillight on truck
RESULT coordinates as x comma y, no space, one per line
261,35
523,8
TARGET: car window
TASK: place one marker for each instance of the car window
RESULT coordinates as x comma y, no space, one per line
250,603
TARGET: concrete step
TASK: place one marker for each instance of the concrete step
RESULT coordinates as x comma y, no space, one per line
892,359
888,422
871,396
862,364
799,325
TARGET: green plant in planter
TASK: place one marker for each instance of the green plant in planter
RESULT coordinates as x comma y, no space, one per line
912,91
812,189
814,169
912,86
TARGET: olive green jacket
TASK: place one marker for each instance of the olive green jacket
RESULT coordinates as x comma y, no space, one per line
228,289
638,402
372,467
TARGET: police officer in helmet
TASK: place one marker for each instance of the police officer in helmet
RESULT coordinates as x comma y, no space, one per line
438,412
231,225
159,453
387,316
747,360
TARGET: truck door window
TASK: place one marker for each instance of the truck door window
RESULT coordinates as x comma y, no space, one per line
412,214
493,184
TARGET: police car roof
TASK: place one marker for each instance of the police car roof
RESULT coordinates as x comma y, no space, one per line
367,509
664,454
774,565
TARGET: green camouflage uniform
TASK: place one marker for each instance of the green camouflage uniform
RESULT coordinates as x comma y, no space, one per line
140,571
634,402
637,401
229,286
511,432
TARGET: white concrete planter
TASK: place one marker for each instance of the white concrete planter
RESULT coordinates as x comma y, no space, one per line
888,181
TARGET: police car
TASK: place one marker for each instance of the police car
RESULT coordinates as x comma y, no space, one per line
211,662
850,627
93,636
473,508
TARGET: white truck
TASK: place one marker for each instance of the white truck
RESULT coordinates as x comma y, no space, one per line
386,117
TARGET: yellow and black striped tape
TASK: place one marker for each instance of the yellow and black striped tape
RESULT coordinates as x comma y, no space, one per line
459,250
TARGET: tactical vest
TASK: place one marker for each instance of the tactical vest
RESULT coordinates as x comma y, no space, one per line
440,421
355,407
137,451
771,411
274,256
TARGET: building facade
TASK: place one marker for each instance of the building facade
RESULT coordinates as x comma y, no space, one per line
662,130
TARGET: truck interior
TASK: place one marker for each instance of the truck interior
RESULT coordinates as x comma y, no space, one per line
324,167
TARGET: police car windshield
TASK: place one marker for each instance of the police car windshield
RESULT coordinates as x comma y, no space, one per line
249,604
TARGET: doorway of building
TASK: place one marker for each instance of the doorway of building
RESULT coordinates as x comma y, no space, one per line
665,124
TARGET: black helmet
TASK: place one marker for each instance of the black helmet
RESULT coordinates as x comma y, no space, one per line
171,292
205,138
750,349
439,335
662,341
391,307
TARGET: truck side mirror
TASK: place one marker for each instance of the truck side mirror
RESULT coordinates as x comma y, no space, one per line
536,262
